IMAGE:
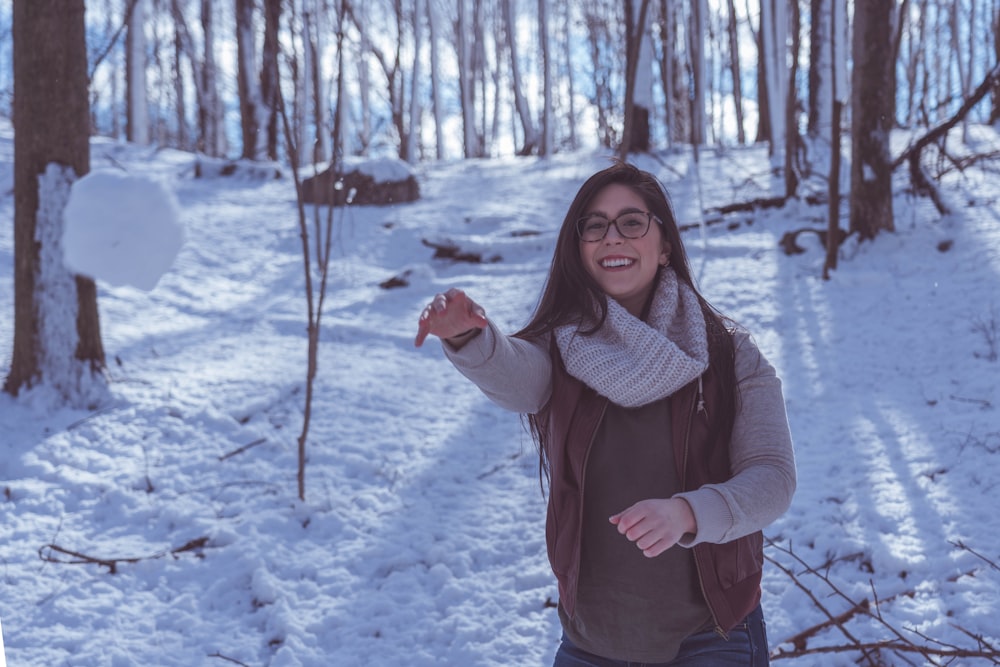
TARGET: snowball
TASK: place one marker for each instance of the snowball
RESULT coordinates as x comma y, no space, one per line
121,228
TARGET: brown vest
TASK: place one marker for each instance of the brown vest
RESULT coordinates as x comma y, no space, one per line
729,573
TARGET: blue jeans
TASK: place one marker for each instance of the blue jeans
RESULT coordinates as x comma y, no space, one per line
746,647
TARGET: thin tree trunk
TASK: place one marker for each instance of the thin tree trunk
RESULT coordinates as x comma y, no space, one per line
791,114
520,101
137,107
734,68
545,147
436,101
269,76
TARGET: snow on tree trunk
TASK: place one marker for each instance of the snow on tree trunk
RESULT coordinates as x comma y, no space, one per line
56,294
137,110
57,337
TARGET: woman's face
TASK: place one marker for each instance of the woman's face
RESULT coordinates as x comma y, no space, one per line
624,268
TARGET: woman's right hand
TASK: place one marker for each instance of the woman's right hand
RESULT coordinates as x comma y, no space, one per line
449,316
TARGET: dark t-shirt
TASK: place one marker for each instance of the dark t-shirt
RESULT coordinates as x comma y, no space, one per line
630,607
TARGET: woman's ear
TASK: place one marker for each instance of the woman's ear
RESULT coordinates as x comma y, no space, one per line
665,254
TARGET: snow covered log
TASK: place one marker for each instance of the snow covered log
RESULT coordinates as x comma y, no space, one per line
363,181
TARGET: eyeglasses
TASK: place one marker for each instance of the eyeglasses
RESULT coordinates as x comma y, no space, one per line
632,225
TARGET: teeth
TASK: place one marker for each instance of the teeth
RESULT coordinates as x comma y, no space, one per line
616,262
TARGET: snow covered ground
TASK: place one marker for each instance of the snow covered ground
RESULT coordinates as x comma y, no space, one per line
420,541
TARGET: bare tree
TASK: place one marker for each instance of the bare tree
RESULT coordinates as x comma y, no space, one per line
773,39
57,335
871,112
734,68
269,77
635,134
995,109
137,104
520,101
247,78
437,102
548,119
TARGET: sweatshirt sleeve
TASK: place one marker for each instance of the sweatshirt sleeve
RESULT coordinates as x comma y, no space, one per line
762,460
514,373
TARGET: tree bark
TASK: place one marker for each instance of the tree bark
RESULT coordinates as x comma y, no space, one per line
734,68
872,120
269,75
52,119
246,75
136,106
520,101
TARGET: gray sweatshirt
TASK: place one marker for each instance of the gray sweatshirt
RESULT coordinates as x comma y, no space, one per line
517,375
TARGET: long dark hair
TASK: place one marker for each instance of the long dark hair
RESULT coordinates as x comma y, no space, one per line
571,294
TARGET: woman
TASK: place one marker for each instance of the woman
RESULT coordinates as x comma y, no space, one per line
661,429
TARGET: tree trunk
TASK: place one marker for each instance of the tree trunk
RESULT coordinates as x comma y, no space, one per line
137,106
436,101
635,117
871,109
545,147
734,68
791,110
821,72
270,78
774,32
466,81
763,101
995,110
57,336
696,41
210,112
520,101
246,75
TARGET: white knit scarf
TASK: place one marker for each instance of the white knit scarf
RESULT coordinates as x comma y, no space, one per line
632,362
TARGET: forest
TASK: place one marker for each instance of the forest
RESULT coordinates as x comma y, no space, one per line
195,471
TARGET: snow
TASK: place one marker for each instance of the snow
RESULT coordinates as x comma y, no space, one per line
421,539
121,228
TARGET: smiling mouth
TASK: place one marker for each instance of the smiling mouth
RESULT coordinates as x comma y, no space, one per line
616,262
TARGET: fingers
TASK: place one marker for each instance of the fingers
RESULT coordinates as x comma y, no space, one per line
653,525
448,315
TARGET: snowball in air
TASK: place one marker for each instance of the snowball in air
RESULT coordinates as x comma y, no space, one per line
121,228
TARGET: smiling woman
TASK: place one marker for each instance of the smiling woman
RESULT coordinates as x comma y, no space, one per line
660,477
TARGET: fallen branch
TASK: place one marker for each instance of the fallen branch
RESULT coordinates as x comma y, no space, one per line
453,252
240,450
871,609
76,558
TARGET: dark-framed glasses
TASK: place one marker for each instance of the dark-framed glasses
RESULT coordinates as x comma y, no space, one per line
631,225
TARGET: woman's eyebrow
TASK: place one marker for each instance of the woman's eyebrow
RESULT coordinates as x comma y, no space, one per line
627,209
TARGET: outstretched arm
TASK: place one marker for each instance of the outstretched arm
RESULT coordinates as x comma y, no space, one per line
451,316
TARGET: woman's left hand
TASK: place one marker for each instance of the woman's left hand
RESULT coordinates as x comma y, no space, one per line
657,524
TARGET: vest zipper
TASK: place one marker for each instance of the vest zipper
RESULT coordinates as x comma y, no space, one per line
698,405
583,488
